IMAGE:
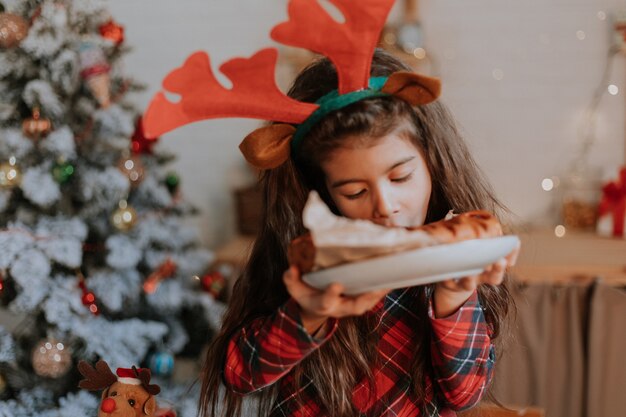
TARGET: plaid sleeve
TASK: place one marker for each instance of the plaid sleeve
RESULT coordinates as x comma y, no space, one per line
462,354
264,351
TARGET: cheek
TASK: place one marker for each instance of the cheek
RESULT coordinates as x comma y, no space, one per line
352,209
417,201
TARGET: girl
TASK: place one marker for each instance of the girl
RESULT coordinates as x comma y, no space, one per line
420,351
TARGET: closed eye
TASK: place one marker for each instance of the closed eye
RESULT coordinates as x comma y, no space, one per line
355,196
403,179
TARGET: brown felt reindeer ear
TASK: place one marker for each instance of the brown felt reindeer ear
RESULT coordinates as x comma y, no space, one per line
268,147
413,88
149,407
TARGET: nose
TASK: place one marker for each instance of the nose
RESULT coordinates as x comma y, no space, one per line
384,204
108,405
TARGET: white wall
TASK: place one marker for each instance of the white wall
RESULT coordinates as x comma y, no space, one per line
522,128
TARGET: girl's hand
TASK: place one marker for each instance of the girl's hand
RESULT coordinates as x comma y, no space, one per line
451,294
317,306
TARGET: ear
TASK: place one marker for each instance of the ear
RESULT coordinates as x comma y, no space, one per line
413,88
268,147
149,407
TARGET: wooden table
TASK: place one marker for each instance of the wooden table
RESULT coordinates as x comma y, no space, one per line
575,256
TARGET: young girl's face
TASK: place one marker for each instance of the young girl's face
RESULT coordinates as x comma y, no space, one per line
387,183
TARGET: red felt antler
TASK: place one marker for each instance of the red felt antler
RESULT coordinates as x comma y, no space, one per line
254,94
350,45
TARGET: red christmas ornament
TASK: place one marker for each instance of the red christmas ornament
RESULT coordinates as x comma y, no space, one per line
165,270
113,32
139,142
213,283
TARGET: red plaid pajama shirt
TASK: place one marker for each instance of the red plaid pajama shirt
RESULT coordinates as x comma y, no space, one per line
265,351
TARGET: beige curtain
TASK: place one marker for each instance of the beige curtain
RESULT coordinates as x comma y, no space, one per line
607,353
542,363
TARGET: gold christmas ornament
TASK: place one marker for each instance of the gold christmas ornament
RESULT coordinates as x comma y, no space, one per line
51,358
132,167
36,127
124,218
10,175
13,29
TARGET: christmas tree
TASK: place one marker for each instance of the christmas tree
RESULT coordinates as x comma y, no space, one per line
94,261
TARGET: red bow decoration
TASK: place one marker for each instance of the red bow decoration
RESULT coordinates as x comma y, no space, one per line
613,202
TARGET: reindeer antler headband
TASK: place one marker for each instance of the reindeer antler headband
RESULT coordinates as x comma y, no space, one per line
349,46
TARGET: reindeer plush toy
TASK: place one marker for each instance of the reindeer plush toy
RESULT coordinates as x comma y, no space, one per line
129,394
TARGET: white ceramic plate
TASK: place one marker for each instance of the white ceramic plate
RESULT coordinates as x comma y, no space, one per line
416,267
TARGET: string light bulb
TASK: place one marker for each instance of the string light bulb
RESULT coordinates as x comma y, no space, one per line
547,184
560,230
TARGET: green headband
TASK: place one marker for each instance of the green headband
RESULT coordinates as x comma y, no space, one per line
334,101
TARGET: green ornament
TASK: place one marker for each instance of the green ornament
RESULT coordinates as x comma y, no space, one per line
172,181
62,172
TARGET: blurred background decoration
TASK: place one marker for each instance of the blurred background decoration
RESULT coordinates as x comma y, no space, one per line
95,262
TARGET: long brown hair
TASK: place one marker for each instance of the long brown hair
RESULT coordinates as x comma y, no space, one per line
349,354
